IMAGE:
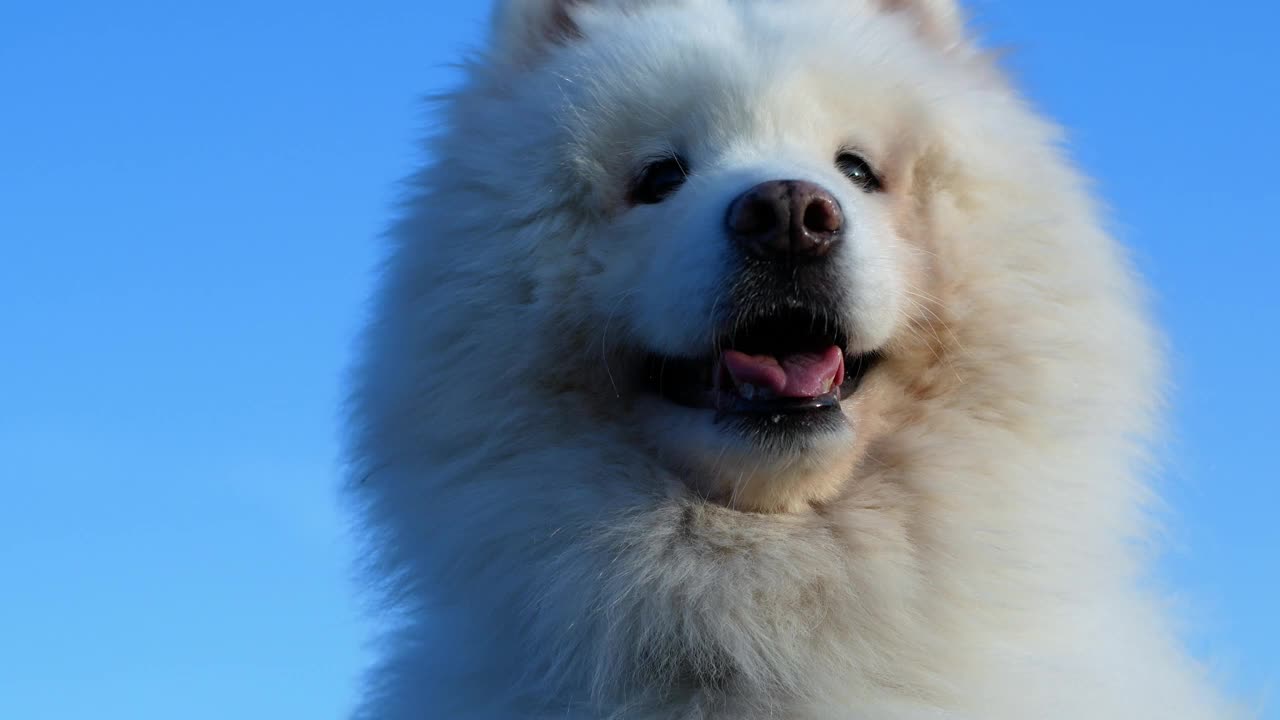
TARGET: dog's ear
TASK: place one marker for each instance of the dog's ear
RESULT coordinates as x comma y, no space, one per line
522,29
941,21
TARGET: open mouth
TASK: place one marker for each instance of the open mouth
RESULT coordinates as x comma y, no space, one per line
787,364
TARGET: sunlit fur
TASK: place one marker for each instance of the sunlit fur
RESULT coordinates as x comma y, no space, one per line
557,544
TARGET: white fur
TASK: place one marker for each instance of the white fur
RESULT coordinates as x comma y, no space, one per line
968,548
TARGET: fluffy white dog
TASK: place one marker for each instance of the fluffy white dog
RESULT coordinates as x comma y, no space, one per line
757,359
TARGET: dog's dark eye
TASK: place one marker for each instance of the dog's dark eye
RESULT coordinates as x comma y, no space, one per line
658,180
857,170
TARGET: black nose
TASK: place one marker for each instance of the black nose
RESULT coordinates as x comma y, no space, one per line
786,219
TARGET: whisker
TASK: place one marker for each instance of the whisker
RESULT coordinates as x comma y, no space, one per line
604,340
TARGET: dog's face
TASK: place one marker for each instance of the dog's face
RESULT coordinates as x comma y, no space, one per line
740,243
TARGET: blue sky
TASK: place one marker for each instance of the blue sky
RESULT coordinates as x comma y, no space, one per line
190,197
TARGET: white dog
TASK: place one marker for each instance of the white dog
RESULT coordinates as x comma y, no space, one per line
757,359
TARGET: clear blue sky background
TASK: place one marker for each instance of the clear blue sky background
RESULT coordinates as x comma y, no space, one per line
190,195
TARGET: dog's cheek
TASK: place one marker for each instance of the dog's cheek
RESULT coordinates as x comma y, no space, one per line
676,303
658,281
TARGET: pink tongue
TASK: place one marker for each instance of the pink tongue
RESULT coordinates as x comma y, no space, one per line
803,375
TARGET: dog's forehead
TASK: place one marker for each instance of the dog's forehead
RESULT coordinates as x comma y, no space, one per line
718,81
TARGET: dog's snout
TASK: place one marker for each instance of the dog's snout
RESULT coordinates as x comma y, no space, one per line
785,220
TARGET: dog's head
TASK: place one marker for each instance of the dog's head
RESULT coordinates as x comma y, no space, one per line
716,221
720,208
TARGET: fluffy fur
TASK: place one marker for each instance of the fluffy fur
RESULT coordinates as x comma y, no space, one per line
561,545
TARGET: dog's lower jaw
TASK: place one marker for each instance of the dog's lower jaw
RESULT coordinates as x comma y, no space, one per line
777,485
